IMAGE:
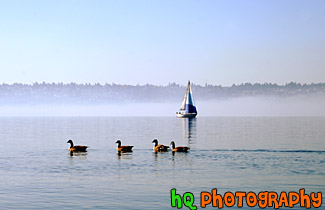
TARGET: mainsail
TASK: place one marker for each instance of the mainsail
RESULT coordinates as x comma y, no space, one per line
185,97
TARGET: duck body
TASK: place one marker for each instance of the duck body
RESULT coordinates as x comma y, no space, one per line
76,148
179,149
121,148
159,147
124,149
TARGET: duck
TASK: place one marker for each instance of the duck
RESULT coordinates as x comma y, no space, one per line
178,149
123,148
159,147
77,148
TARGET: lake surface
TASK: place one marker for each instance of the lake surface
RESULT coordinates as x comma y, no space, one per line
227,153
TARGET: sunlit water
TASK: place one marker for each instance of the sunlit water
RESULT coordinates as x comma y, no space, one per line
230,154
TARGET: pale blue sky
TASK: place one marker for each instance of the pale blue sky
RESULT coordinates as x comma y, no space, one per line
157,42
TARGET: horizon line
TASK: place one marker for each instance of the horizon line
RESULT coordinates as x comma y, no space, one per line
149,84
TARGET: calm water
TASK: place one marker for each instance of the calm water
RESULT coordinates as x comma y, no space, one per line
230,154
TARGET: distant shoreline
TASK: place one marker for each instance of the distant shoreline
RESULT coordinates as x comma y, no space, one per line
73,93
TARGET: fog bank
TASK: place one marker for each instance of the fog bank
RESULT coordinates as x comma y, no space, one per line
242,106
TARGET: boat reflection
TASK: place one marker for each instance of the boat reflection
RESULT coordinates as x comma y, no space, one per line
189,130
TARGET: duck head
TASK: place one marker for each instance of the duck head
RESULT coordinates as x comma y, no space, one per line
155,141
71,143
118,142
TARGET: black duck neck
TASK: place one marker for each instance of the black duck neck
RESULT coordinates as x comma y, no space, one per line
71,144
118,144
173,144
156,143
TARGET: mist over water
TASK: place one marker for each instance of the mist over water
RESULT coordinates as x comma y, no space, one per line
264,106
240,106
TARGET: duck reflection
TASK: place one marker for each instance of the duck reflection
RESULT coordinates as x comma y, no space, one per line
160,156
124,155
82,154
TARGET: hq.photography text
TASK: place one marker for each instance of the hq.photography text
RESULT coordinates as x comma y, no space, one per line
251,199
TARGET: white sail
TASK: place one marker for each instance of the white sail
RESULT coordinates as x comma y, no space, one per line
185,97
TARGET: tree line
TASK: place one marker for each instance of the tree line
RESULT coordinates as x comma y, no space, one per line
72,93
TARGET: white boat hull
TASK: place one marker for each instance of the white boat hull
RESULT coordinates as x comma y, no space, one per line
186,115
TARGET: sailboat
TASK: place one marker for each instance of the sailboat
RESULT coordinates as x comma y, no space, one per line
188,109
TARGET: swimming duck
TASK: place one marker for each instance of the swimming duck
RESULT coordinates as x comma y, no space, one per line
178,149
123,148
159,147
77,148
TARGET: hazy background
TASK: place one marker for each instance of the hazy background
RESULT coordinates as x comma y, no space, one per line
294,106
161,42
